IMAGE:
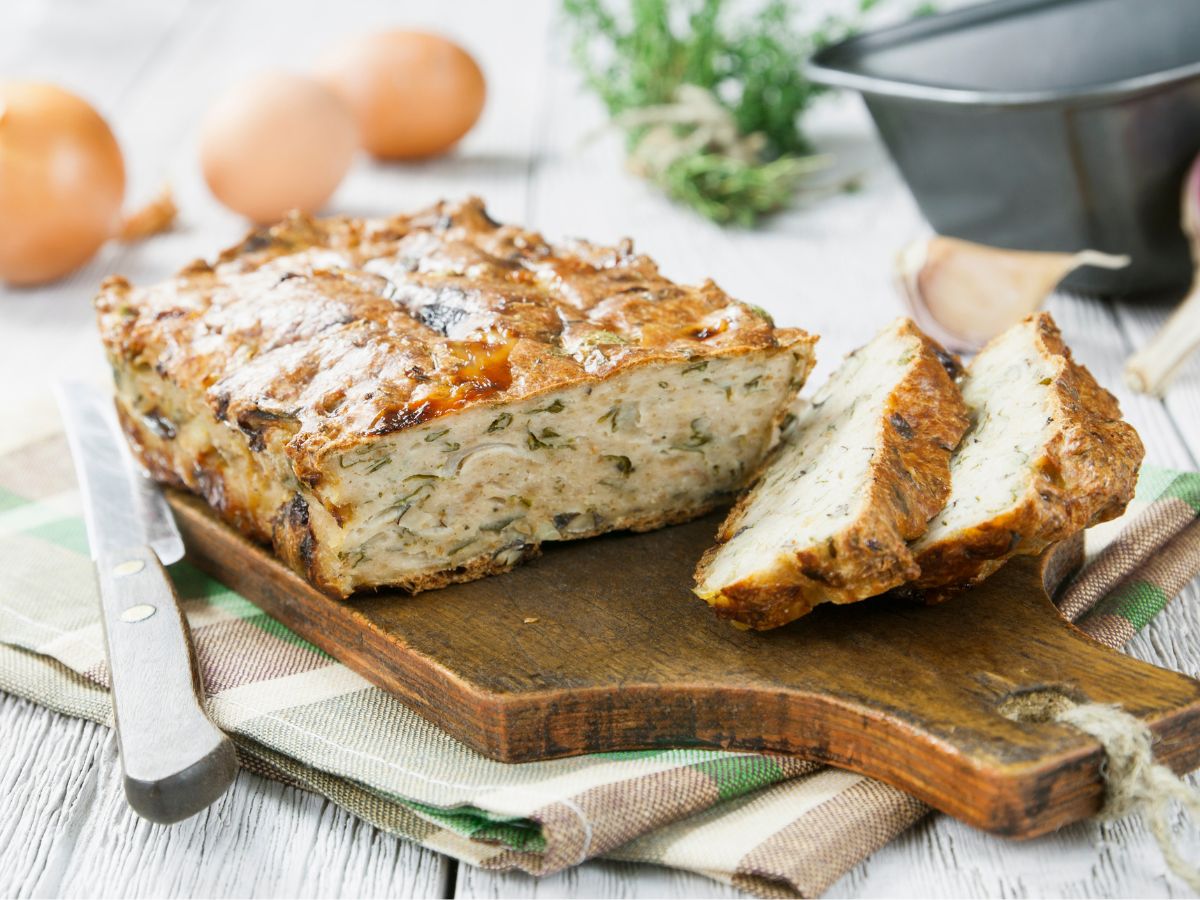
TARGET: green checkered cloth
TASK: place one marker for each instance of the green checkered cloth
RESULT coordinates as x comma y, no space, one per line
772,825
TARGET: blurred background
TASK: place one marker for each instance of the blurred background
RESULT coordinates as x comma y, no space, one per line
777,187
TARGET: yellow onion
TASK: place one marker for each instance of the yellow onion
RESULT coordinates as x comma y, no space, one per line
62,181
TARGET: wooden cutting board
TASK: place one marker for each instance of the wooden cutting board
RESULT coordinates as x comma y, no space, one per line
618,654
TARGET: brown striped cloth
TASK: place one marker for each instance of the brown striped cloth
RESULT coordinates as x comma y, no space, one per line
771,825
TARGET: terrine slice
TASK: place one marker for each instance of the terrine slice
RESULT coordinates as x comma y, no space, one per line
857,477
1047,455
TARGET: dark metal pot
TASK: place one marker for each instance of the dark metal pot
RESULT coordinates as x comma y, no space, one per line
1043,125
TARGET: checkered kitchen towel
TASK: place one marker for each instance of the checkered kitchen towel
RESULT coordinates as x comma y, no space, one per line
771,825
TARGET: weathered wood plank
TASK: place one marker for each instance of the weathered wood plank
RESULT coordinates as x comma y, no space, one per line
65,831
48,772
599,878
941,858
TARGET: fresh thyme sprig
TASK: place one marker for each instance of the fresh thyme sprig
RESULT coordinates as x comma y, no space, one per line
637,59
730,190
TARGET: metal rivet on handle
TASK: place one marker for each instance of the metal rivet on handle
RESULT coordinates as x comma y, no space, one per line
129,567
138,613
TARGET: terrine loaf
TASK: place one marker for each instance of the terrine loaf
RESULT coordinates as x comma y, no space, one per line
857,477
424,399
1047,455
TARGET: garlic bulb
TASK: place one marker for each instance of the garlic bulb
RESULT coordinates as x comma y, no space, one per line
964,294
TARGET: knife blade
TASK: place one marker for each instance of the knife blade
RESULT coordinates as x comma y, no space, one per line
121,506
175,760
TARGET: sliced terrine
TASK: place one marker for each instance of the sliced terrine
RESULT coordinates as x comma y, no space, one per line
425,399
1047,455
857,477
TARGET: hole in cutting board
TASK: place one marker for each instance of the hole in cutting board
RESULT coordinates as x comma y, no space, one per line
1038,704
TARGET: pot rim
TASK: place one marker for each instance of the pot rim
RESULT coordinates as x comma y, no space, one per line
823,68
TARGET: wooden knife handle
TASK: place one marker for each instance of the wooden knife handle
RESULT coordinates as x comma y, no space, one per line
175,760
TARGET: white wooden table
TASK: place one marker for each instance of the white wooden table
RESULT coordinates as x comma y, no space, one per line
152,67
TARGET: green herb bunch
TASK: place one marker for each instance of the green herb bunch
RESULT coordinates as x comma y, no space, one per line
752,157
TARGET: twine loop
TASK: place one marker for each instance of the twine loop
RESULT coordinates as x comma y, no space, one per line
695,120
1134,782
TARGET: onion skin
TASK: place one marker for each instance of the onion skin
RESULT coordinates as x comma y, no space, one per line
414,94
62,180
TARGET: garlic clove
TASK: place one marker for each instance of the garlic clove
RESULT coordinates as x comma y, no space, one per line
964,293
1152,368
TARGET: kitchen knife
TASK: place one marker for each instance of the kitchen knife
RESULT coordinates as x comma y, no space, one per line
176,762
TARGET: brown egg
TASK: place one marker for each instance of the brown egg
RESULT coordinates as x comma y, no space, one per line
414,94
275,143
62,180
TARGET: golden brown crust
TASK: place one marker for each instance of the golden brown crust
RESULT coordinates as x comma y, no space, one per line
1086,474
924,419
336,331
